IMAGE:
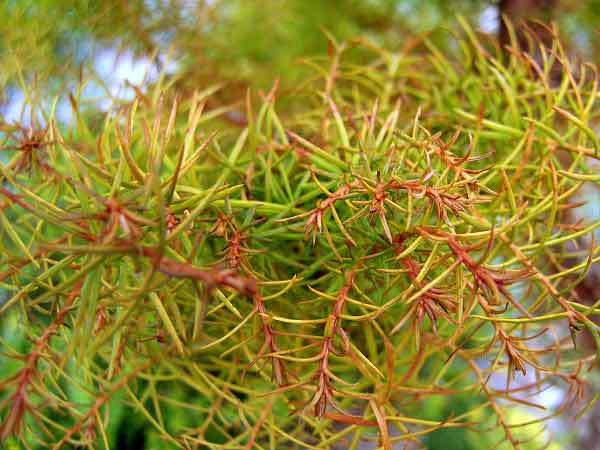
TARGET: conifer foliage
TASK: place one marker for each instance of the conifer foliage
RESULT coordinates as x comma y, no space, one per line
316,275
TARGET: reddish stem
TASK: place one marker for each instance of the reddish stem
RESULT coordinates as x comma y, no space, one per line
19,400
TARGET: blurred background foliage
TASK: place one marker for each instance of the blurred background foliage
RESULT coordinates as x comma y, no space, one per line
247,43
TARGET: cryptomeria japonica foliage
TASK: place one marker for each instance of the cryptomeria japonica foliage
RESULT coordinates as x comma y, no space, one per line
315,275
